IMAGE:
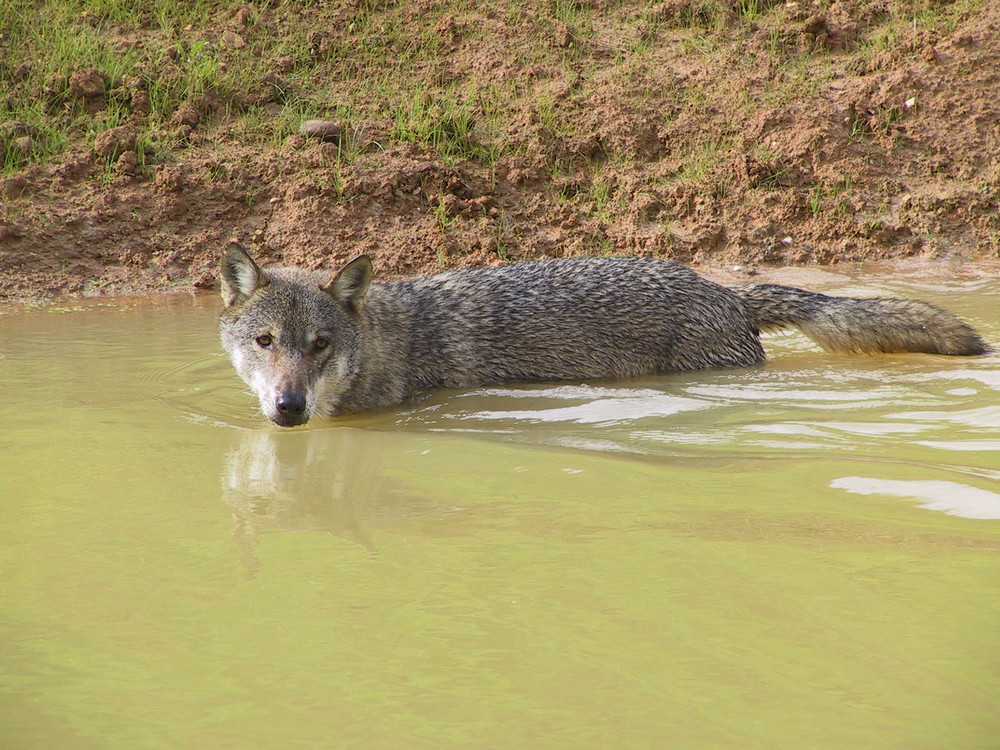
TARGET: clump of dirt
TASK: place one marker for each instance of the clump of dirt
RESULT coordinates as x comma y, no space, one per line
696,130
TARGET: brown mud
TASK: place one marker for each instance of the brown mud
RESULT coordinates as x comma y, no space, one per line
892,155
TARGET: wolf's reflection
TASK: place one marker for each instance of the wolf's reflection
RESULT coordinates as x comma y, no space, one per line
315,480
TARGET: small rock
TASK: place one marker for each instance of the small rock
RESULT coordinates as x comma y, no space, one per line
12,187
112,143
205,280
450,204
86,83
55,86
324,130
131,257
9,231
14,128
140,102
232,39
172,179
187,114
278,85
564,35
128,162
87,86
24,145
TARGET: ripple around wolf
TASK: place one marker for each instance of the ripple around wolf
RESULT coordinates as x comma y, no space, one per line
863,409
204,391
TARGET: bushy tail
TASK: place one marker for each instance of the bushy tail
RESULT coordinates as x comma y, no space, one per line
849,324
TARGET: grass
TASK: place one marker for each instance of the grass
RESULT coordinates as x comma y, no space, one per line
443,123
371,59
466,84
703,160
501,230
600,196
82,35
750,10
831,199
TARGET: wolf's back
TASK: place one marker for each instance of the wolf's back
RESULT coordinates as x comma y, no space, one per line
575,318
850,324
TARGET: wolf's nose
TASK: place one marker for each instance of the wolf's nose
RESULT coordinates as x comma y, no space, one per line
291,404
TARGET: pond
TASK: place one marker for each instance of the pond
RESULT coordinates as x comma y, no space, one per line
801,554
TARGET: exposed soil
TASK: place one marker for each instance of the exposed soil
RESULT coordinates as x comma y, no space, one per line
893,153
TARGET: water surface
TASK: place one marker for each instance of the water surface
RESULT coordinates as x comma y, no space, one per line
802,554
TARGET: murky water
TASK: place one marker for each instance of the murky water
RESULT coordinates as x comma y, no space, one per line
803,554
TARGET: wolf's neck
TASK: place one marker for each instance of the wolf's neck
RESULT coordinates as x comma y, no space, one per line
398,346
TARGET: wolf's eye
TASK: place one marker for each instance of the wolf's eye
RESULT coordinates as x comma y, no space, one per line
320,344
264,341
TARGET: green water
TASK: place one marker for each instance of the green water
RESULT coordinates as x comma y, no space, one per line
801,555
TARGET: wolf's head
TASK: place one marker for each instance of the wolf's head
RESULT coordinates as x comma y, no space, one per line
292,335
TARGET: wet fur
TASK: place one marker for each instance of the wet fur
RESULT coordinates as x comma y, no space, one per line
568,319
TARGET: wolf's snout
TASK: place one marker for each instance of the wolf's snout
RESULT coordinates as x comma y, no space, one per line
291,408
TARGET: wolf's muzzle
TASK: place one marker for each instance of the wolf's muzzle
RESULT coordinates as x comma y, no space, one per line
290,409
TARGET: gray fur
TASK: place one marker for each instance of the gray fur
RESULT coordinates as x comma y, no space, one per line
569,319
870,326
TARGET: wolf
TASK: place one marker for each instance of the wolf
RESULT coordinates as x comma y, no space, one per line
308,343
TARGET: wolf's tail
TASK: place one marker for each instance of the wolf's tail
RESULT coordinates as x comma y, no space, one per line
849,324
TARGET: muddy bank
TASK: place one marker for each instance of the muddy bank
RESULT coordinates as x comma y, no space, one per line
808,134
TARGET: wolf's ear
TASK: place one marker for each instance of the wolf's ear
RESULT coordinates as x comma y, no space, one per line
350,287
240,276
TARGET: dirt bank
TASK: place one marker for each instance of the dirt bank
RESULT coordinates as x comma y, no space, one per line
705,132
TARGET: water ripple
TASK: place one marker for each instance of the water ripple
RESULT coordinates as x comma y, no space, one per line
949,497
